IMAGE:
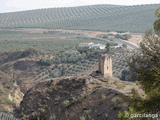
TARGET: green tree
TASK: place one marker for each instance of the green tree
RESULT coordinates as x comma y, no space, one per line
157,22
108,47
124,37
46,62
124,45
145,68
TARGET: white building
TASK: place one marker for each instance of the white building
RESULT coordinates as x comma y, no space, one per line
112,33
116,33
117,47
85,44
92,45
97,46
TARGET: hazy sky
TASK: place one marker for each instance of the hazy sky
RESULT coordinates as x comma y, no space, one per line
19,5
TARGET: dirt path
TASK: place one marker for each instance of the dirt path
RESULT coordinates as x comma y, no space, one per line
135,39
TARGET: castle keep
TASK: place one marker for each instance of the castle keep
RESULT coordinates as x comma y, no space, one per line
105,65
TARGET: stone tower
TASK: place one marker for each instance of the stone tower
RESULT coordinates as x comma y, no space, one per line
105,65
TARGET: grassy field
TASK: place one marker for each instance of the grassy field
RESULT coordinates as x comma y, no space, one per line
44,45
137,18
25,33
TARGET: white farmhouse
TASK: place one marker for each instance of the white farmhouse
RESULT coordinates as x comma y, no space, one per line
92,45
85,44
98,46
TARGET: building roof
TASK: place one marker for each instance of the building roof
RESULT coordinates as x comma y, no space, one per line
98,45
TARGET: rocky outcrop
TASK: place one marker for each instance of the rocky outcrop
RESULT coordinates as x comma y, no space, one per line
10,94
73,98
22,65
16,95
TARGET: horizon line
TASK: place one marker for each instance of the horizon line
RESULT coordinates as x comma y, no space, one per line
75,6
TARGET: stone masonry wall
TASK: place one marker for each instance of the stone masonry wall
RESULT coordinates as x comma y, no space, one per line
105,65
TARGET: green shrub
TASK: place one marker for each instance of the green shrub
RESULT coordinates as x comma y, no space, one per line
66,103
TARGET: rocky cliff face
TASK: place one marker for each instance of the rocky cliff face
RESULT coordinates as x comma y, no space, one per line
16,95
10,94
21,65
72,98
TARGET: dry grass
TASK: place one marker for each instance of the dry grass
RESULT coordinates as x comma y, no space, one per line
135,39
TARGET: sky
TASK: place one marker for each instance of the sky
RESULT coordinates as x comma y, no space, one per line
21,5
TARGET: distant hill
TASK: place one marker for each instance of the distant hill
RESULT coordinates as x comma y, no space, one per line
136,18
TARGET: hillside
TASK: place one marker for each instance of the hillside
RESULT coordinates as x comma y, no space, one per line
42,77
75,98
20,65
10,94
137,18
31,66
